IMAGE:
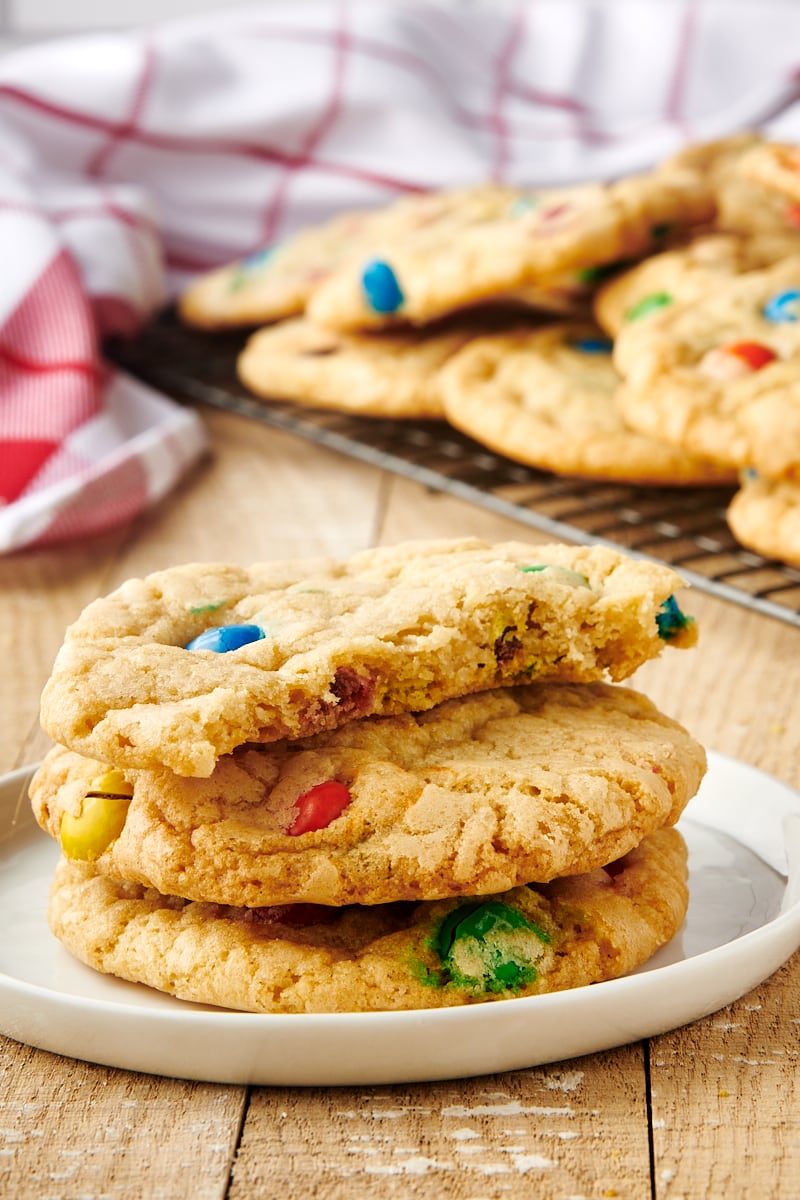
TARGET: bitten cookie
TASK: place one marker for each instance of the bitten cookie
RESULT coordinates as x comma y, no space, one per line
181,667
764,515
546,397
685,273
477,795
720,376
575,931
535,237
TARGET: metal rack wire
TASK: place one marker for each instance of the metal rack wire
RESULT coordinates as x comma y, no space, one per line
684,527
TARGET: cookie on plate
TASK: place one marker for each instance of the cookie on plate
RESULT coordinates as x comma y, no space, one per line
184,665
720,376
301,959
391,374
684,273
536,237
764,515
546,397
278,280
477,795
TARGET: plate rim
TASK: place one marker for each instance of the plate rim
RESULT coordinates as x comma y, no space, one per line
197,1014
34,1010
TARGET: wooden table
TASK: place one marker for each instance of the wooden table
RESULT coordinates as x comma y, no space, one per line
709,1112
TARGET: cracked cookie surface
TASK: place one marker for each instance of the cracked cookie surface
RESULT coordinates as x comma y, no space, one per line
383,375
277,281
547,397
475,796
527,239
575,931
685,273
720,376
397,629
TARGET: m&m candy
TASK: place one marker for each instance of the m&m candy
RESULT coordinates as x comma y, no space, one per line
249,266
381,289
736,360
222,638
647,305
489,946
785,306
320,805
524,204
671,620
593,345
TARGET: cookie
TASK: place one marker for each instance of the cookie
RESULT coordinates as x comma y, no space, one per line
764,515
273,282
477,795
183,666
277,281
776,167
297,959
546,397
720,376
534,238
684,273
392,374
742,204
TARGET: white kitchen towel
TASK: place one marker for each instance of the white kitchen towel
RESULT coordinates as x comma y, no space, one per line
129,161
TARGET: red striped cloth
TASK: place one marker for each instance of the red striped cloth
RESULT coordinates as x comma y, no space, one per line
130,161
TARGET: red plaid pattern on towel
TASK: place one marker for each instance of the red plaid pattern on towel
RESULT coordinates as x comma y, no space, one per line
48,373
82,447
130,161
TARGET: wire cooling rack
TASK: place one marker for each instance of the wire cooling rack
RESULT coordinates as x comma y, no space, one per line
684,527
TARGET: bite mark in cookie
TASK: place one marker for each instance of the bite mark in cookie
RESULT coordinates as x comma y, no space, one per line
391,630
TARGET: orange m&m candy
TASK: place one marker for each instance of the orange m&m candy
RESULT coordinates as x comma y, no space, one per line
736,359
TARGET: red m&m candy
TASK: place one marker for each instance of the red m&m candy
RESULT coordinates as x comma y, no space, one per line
320,805
736,360
755,354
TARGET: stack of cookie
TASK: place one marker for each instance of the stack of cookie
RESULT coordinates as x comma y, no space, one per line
642,331
716,364
407,780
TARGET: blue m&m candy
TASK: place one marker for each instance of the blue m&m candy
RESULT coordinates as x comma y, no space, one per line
226,637
784,306
381,288
258,257
593,345
671,620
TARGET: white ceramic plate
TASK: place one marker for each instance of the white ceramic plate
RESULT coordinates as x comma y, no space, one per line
743,831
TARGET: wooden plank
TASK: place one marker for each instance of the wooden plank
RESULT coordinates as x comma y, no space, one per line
42,591
413,512
726,1099
567,1130
69,1129
263,494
